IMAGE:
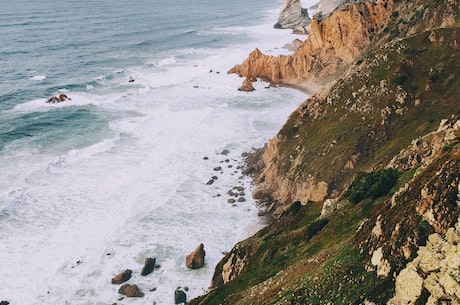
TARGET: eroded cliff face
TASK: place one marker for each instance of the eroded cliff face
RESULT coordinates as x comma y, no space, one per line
361,120
339,37
333,42
396,107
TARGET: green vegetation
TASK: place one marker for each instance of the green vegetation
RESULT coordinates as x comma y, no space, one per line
396,93
372,185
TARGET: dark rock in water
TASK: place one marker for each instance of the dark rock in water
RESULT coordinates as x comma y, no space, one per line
122,277
231,200
58,99
4,303
241,199
180,297
131,291
149,266
225,152
214,177
205,158
210,182
195,259
218,168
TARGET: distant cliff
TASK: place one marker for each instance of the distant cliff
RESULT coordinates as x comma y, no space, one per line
293,16
333,42
363,180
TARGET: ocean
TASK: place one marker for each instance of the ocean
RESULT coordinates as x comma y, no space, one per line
94,185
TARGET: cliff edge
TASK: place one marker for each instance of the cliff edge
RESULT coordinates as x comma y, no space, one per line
363,178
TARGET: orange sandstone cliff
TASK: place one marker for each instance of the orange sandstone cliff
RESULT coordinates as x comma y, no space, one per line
333,42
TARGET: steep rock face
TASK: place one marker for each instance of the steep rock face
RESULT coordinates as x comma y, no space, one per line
383,102
232,264
292,14
333,42
428,203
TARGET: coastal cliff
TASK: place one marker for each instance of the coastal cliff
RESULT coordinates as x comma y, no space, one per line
333,42
363,179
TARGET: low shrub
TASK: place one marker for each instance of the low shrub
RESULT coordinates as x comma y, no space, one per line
372,184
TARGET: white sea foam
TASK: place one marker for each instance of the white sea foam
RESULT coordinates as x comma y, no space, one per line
79,217
38,77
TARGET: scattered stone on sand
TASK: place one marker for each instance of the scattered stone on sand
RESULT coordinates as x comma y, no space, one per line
231,200
210,182
225,152
218,168
241,199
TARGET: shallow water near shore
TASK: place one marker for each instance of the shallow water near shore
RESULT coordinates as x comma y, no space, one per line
93,186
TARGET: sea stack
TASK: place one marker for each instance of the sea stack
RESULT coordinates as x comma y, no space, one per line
292,15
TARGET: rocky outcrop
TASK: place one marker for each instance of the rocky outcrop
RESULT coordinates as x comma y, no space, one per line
433,277
394,234
195,260
122,277
231,265
292,15
333,42
131,291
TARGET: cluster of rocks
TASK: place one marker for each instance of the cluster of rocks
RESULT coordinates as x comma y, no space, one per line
58,99
133,290
434,274
236,193
194,260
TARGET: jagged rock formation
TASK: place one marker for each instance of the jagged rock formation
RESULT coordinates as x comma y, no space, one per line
332,43
340,38
292,15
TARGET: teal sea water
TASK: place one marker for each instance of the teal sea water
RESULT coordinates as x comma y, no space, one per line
93,186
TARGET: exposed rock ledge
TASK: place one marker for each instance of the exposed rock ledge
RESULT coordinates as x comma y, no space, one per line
434,274
333,42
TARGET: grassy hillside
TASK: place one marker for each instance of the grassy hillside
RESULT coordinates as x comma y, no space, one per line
386,111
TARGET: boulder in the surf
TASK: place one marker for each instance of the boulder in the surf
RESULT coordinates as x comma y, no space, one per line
180,297
132,291
122,277
195,260
149,266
